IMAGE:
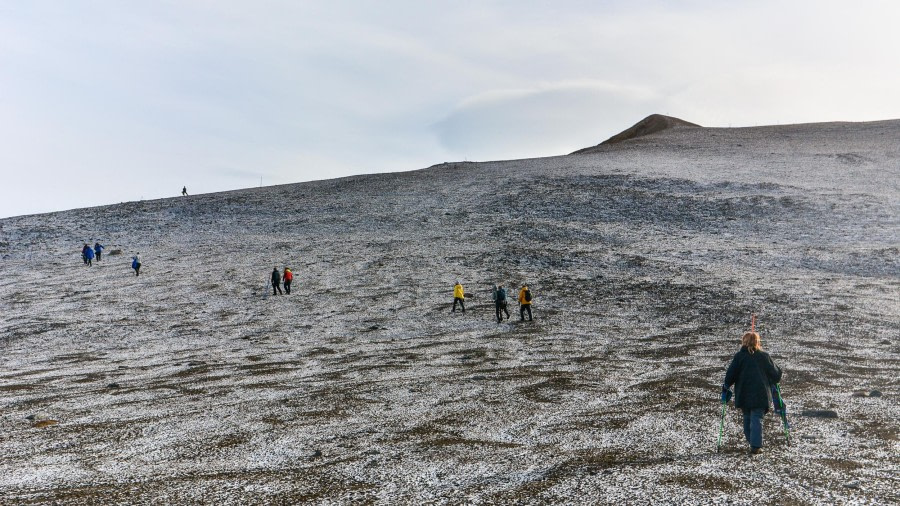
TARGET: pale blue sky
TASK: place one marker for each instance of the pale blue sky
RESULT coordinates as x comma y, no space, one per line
110,101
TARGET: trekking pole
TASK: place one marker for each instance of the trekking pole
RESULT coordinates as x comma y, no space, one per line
784,422
721,428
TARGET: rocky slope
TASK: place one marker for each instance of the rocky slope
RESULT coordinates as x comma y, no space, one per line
647,126
187,385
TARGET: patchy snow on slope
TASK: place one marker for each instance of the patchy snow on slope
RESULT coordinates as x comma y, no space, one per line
192,384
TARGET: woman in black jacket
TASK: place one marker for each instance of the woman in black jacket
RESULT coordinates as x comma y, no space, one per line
753,374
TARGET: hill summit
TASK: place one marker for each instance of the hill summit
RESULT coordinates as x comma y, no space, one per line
649,125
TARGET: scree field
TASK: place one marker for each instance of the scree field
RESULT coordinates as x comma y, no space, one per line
185,385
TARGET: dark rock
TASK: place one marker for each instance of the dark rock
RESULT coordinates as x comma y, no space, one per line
885,341
195,363
819,413
852,484
875,393
113,385
316,454
860,394
808,437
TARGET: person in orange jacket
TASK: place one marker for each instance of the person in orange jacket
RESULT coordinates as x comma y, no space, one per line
459,295
287,277
524,303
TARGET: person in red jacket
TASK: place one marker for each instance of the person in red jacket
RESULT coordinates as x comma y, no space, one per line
287,278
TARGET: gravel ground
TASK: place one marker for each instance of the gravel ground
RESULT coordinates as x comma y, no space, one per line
188,385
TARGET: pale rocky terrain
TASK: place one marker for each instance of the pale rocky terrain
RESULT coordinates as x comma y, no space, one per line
186,385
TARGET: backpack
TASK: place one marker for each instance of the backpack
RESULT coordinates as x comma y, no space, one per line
501,295
527,295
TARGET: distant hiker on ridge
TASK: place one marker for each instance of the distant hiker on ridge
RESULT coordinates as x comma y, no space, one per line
753,374
98,250
136,264
459,295
500,302
288,277
88,255
184,191
524,303
276,282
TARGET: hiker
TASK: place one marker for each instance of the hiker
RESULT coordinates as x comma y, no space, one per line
500,302
276,282
84,253
524,303
287,277
753,374
184,191
136,264
98,250
88,253
459,295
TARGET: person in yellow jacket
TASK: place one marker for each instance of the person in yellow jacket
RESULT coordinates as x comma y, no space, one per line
459,295
524,303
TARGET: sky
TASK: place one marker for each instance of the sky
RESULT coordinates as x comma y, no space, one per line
108,101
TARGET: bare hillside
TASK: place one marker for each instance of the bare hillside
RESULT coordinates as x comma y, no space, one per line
186,385
647,126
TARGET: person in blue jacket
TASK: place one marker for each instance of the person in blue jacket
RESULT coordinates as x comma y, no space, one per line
753,374
88,253
136,264
98,250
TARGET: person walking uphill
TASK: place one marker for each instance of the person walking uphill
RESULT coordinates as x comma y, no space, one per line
524,303
500,303
88,254
136,264
287,277
459,295
752,373
276,282
98,250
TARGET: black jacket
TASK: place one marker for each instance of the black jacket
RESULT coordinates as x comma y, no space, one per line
276,277
752,375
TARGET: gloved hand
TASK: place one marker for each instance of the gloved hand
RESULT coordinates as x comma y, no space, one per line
726,395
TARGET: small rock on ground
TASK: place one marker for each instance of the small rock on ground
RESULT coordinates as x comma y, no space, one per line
819,413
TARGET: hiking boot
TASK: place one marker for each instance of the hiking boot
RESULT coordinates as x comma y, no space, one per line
755,451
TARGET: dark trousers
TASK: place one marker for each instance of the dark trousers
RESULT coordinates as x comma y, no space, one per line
500,307
137,270
98,256
522,309
276,288
753,426
287,286
461,302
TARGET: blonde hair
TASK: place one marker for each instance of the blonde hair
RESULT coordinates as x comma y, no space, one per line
751,342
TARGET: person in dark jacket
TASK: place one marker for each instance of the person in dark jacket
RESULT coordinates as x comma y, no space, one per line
500,303
98,250
752,373
276,282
